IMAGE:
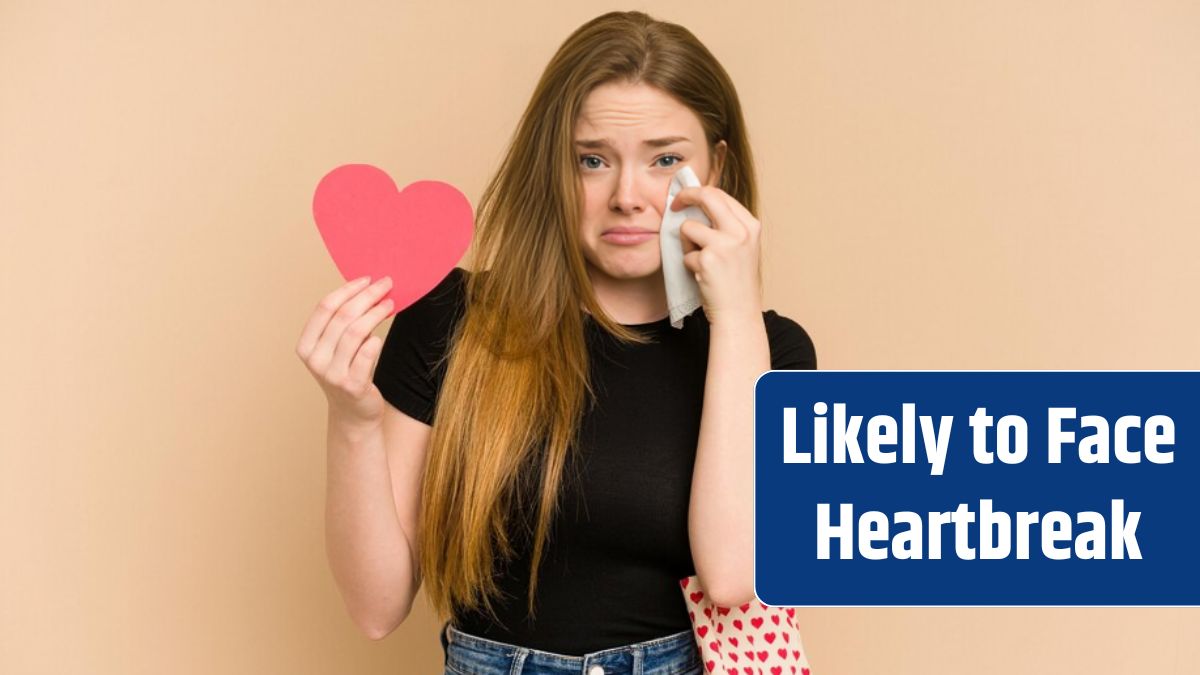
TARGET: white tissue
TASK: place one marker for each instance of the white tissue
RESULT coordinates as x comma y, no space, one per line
683,293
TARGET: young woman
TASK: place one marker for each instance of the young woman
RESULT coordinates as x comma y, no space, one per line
534,440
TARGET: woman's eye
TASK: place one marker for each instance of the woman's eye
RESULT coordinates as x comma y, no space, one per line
594,162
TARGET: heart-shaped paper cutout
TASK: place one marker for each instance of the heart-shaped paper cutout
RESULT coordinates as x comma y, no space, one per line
415,235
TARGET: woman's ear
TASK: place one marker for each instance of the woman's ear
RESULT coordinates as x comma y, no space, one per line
717,164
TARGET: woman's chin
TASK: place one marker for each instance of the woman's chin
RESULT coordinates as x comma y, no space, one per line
625,271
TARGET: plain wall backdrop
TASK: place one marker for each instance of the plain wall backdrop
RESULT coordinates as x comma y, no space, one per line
945,185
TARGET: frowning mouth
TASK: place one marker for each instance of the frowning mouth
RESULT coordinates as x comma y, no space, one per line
626,236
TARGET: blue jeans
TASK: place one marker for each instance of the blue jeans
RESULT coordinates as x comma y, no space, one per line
466,654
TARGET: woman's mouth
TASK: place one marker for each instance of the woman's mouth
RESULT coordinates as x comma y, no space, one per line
628,236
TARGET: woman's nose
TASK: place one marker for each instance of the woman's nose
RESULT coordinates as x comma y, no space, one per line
629,194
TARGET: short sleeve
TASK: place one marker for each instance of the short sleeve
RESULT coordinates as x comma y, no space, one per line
791,347
411,363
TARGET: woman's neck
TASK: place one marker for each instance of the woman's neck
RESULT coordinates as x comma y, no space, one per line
631,301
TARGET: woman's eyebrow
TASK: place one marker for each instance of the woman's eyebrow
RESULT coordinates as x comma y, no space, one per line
653,142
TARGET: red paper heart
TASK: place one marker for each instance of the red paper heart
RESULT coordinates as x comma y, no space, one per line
415,235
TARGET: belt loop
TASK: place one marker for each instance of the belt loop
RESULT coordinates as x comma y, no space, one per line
518,661
638,656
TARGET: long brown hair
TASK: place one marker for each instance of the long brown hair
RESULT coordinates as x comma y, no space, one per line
517,375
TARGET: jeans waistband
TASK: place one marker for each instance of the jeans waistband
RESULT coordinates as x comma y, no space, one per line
667,655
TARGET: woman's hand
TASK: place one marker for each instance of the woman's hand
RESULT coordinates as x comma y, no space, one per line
724,257
339,349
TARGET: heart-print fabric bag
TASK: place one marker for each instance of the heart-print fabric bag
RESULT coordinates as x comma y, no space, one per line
750,639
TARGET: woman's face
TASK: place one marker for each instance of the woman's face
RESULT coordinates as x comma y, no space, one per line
630,139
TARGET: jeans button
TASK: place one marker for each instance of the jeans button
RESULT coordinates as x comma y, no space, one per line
596,670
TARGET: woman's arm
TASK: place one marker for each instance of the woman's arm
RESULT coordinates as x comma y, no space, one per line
368,524
721,510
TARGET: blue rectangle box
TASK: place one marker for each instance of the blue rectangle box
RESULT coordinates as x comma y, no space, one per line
977,488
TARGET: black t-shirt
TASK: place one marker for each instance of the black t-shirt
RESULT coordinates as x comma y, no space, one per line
619,543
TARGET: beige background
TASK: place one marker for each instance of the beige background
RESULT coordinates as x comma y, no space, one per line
945,185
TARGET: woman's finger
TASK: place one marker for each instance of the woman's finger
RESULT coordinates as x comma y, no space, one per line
709,199
362,368
349,357
361,315
350,311
324,311
747,218
698,234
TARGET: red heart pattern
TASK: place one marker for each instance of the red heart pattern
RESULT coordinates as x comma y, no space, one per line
750,622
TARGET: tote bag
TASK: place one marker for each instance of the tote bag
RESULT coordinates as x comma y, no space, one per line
750,639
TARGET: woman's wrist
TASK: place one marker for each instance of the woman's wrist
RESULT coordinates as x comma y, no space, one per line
742,317
352,429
